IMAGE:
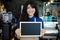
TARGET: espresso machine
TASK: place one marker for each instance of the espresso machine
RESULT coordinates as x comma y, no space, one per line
6,30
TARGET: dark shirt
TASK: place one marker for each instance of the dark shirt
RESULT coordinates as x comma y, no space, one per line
37,20
32,20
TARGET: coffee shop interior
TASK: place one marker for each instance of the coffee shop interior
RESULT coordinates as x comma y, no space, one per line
49,11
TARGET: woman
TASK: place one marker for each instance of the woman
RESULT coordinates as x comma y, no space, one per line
30,13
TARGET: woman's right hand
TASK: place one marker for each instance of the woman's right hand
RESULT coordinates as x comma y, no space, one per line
17,32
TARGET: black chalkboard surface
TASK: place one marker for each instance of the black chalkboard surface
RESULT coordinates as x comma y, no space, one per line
30,28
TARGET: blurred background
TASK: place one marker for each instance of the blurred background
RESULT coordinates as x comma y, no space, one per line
49,11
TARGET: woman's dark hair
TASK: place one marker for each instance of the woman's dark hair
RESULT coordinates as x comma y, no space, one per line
24,15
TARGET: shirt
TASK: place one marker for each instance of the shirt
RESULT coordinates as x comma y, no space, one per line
32,20
37,20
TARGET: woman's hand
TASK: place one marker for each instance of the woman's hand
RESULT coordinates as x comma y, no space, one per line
42,32
17,32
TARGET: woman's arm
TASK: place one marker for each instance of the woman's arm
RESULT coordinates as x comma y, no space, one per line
17,32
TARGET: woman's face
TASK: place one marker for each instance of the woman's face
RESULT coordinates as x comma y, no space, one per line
30,10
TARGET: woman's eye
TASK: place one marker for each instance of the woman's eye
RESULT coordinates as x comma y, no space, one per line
28,7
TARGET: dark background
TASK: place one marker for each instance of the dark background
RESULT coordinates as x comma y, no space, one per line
15,5
30,28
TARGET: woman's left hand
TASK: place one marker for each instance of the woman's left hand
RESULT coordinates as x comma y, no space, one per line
42,32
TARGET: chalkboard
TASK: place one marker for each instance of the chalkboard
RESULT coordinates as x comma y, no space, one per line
30,28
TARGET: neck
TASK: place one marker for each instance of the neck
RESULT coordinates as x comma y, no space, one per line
31,16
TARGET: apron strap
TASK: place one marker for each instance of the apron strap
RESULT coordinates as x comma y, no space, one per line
34,19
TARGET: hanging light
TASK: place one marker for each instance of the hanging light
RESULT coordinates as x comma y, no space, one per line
47,3
52,1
